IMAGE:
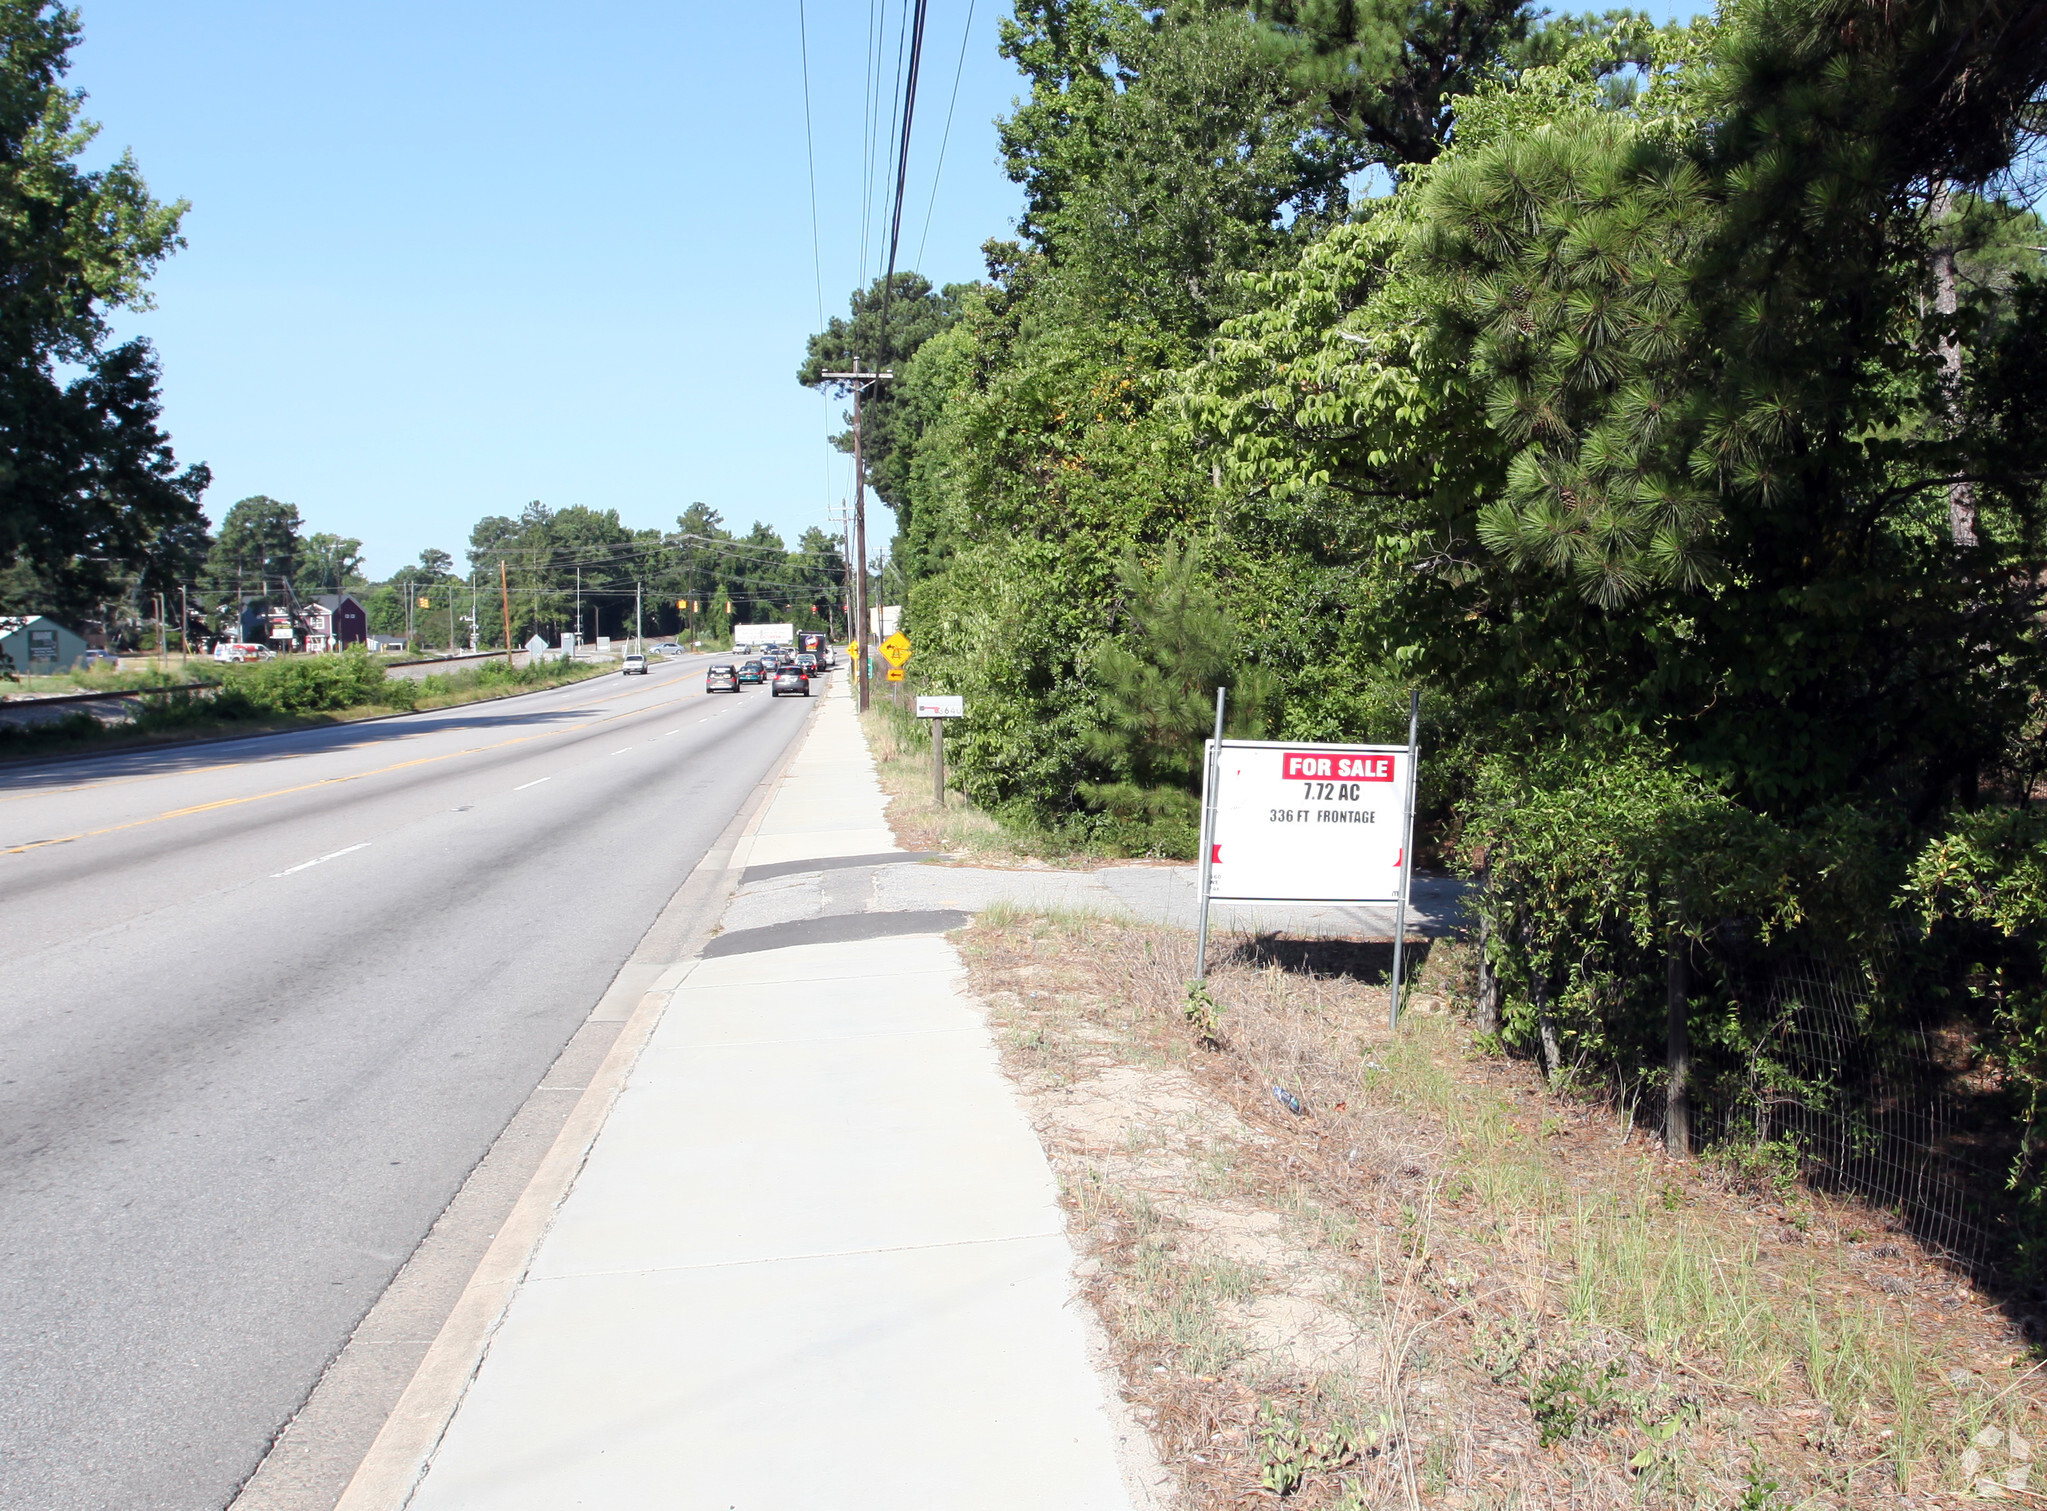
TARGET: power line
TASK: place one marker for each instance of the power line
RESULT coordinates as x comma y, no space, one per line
810,160
895,98
902,169
945,138
870,80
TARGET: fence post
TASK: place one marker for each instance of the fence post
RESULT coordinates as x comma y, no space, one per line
1677,1096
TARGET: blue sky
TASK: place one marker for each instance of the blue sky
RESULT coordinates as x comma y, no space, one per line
448,257
445,258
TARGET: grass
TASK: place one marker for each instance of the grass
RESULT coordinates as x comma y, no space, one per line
259,700
1555,1313
175,672
901,745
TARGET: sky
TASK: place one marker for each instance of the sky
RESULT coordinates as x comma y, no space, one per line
447,256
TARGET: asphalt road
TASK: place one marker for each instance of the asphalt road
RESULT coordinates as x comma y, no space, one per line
263,1005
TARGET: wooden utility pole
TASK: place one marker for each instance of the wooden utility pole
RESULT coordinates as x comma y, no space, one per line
859,381
505,592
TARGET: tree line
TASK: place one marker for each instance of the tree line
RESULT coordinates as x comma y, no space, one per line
1664,403
550,571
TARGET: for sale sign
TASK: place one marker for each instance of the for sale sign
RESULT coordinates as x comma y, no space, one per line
1309,823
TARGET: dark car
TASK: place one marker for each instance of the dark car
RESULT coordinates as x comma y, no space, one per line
752,671
721,678
789,679
808,662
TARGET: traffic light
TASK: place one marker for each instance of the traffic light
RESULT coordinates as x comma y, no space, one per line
425,603
683,604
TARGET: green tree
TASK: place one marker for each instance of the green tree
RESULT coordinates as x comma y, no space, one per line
328,564
258,546
1158,682
89,486
916,313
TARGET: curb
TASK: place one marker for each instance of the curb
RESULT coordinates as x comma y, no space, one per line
398,1460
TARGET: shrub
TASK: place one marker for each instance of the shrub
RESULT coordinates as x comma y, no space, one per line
320,684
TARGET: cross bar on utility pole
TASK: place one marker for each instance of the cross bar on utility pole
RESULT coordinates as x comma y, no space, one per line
859,382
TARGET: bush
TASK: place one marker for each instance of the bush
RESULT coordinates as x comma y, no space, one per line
1599,863
1982,887
316,684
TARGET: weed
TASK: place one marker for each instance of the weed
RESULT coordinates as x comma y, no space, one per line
1499,1347
1572,1396
1759,1492
1288,1453
1763,1167
1204,1016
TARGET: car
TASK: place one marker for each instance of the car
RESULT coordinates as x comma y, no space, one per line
668,648
789,679
721,677
101,658
752,671
808,662
242,650
635,665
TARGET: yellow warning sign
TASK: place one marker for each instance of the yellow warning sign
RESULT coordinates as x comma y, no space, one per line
895,674
896,649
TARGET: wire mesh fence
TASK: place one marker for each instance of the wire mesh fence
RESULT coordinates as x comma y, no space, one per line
1895,1115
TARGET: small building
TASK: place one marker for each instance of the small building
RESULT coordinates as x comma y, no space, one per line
335,621
384,642
36,647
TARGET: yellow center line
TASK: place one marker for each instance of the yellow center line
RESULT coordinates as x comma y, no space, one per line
332,781
160,776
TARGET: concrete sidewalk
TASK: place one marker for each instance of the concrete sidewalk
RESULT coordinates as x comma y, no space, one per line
814,1260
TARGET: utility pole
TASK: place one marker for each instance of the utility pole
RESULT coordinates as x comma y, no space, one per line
185,624
451,619
858,381
475,629
410,605
579,607
636,616
505,592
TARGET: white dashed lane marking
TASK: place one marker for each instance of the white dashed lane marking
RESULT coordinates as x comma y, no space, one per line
320,860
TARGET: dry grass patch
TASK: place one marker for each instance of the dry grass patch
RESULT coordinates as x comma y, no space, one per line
1349,1269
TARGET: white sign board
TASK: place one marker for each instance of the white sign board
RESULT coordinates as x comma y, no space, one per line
762,634
941,706
1309,823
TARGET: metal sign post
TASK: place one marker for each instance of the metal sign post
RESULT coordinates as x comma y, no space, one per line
1414,724
1208,832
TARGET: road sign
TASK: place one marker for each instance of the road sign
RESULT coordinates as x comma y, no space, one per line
895,674
1309,823
941,706
895,650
